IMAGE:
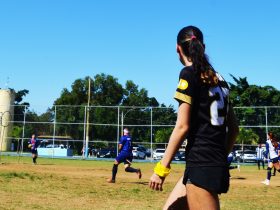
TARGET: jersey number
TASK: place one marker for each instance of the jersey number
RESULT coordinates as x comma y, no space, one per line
217,105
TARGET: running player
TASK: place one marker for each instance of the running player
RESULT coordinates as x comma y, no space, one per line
33,144
277,149
272,155
205,117
125,156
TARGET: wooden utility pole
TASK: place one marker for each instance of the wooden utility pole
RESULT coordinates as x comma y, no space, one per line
87,129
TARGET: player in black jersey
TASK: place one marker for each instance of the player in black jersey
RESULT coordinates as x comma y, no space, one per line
206,119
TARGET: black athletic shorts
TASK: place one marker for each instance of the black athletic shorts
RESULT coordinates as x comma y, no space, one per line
274,160
213,179
34,151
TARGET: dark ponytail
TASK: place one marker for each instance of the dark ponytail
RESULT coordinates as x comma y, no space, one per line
270,135
190,39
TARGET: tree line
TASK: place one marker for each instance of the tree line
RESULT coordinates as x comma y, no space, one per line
105,90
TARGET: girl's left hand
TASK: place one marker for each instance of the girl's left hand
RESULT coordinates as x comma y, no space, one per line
156,182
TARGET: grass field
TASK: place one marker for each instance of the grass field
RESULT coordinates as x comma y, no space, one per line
80,184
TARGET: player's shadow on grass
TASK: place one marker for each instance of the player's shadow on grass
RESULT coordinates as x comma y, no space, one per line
238,177
46,164
142,183
40,164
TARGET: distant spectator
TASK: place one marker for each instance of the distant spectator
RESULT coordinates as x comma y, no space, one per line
260,156
83,151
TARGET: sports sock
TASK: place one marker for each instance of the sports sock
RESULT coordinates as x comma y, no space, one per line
34,160
268,173
114,171
131,170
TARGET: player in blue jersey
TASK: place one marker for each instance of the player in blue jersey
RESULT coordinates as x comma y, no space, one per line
33,144
272,155
206,119
125,156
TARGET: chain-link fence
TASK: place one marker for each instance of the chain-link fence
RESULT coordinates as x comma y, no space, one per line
86,129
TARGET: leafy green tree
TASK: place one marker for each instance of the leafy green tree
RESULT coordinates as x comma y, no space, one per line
45,128
105,91
163,135
247,136
164,117
245,95
237,90
19,110
135,97
16,131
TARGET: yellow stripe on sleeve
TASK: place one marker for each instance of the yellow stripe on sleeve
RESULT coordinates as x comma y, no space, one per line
183,97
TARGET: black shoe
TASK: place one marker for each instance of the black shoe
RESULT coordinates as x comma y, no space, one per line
139,173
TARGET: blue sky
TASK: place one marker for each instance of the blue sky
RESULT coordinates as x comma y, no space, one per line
46,44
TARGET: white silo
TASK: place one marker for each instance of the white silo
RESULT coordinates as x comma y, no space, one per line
7,98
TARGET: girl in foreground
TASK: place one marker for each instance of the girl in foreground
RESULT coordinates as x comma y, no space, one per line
206,119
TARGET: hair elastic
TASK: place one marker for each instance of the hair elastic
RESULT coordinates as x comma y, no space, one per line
193,37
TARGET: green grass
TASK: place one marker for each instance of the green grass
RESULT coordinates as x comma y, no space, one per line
11,175
80,184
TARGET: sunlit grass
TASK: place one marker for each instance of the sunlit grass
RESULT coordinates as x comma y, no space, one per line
81,184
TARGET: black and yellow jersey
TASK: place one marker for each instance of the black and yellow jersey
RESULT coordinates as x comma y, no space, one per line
207,133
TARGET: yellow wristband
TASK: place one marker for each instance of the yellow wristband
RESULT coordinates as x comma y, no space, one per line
161,170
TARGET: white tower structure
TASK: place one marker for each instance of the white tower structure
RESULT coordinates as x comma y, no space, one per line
7,98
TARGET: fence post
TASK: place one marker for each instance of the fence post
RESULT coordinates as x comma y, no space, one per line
118,131
54,123
266,129
23,129
84,141
87,134
151,131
